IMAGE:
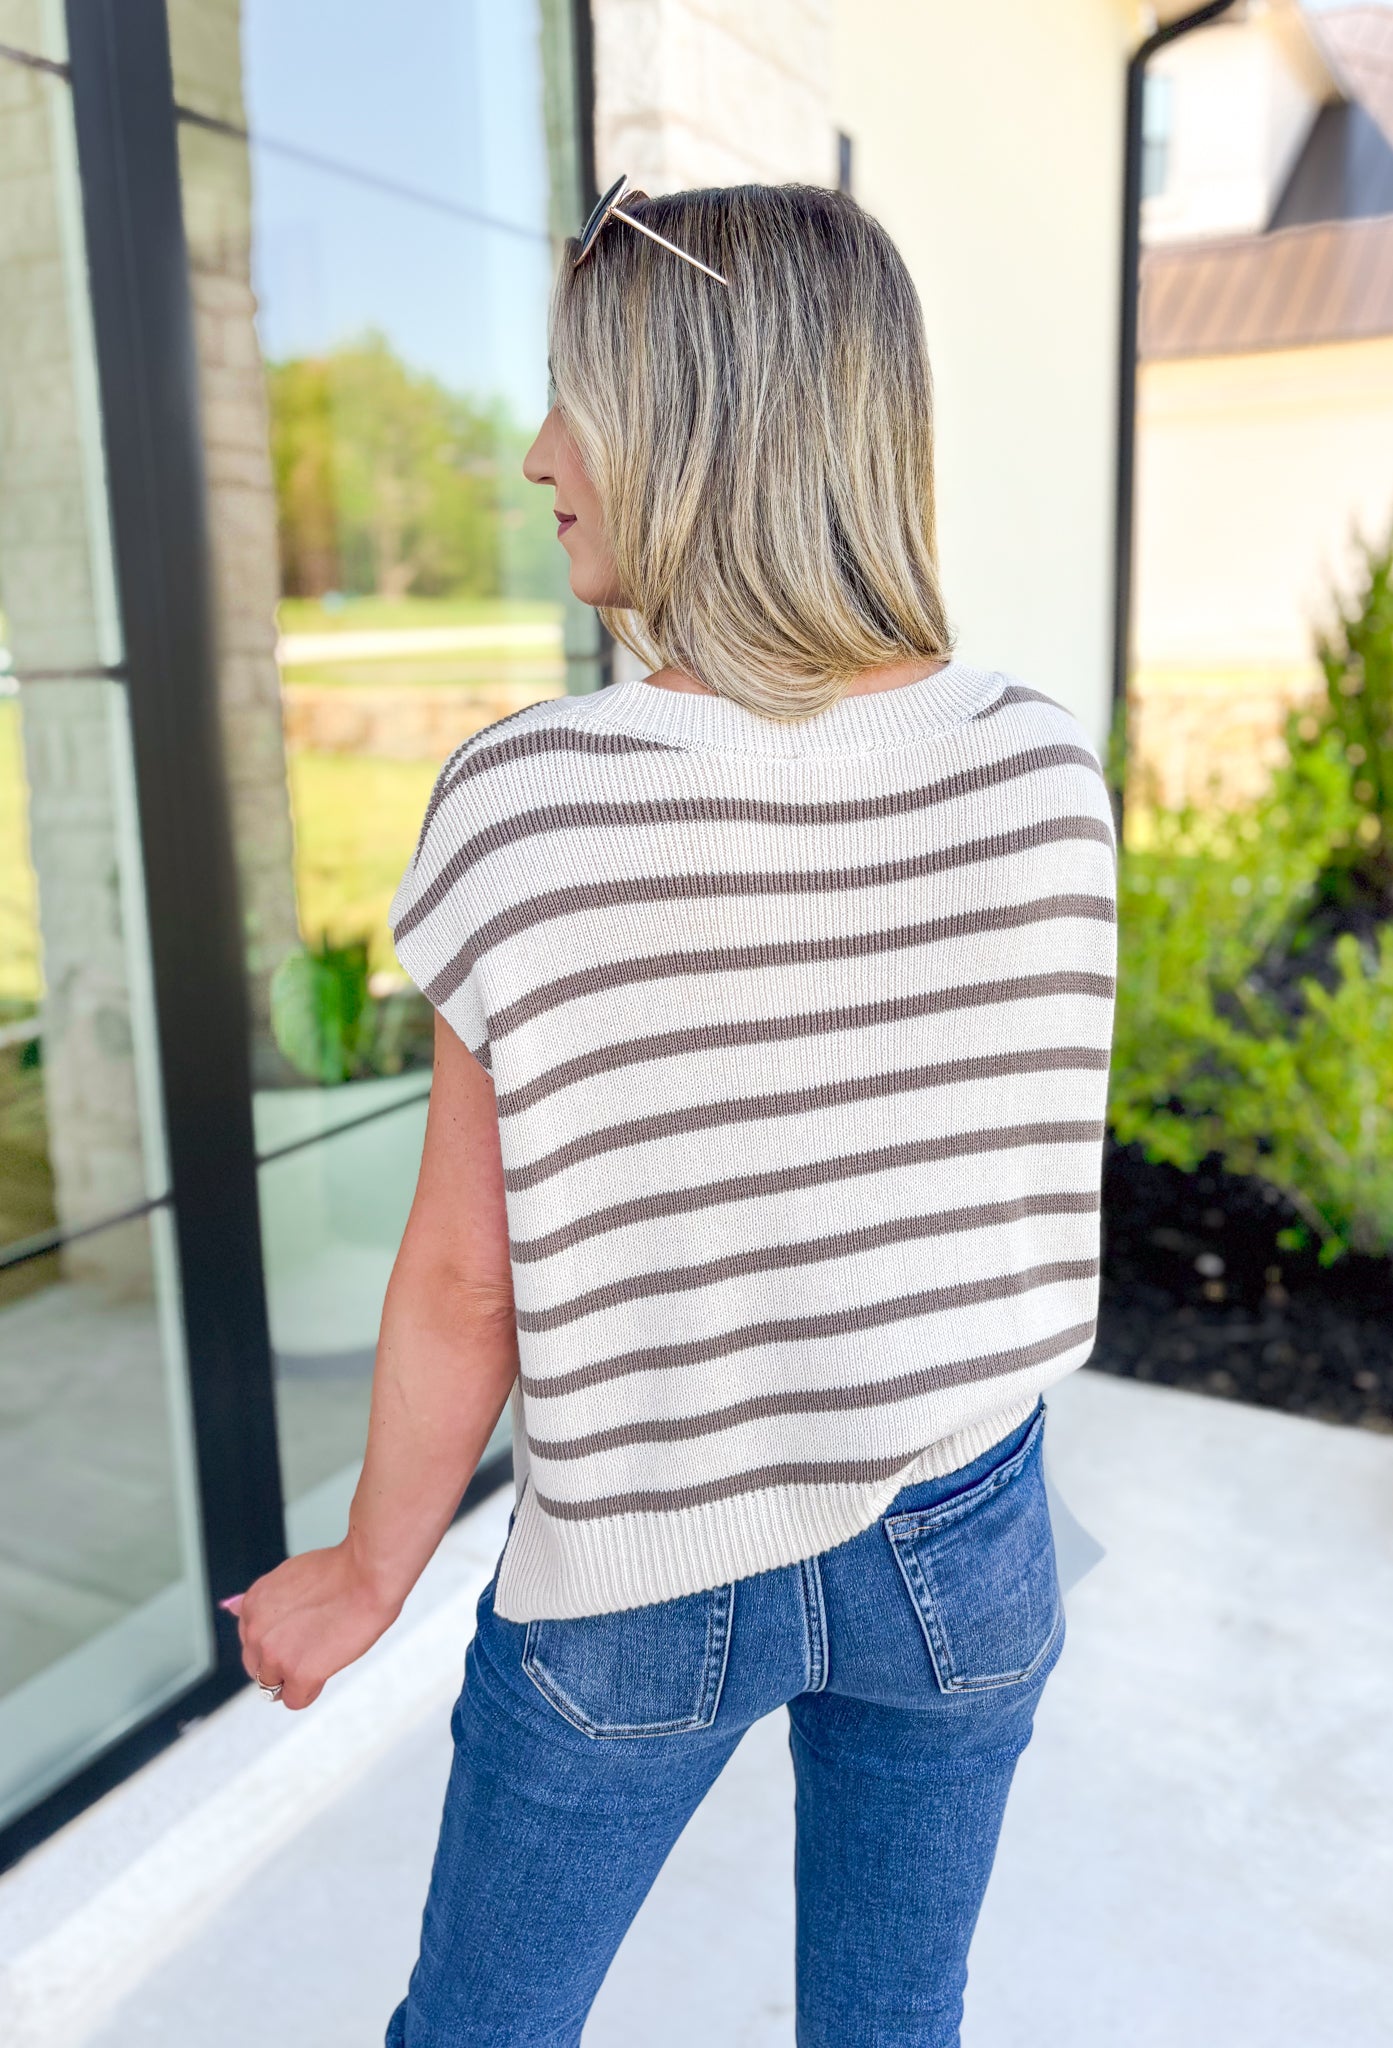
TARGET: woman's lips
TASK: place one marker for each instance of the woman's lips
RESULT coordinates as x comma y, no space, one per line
564,520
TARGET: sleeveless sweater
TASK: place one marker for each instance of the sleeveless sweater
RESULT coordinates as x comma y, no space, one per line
799,1035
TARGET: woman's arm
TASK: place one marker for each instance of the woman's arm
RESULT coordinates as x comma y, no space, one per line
446,1361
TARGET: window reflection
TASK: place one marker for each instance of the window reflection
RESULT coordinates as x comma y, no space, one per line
372,212
336,1186
102,1601
103,1611
372,248
372,235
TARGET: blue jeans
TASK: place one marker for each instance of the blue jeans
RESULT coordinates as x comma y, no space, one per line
910,1660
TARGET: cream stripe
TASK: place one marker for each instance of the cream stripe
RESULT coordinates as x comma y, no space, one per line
798,1101
801,952
784,1329
698,1038
587,814
839,1244
479,759
815,1173
811,1401
676,888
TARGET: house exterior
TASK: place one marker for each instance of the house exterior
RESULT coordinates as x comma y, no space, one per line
1265,392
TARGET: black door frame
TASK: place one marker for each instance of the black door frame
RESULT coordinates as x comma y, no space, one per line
1124,485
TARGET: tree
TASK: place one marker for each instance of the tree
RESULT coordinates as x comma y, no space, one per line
385,480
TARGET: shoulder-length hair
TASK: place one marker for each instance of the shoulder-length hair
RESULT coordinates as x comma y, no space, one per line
763,454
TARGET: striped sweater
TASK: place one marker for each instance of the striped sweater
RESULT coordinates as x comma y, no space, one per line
799,1036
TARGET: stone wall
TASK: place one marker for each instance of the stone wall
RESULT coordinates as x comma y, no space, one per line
1210,736
216,173
56,592
707,92
395,723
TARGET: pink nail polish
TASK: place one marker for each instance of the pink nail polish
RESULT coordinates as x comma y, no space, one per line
233,1603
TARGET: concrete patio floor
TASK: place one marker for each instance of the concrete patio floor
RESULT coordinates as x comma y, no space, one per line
1199,1849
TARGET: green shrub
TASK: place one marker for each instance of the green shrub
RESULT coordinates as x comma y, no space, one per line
1356,717
330,1026
1223,1046
1209,1058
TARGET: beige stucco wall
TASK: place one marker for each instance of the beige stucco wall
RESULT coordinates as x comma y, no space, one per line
1253,473
989,140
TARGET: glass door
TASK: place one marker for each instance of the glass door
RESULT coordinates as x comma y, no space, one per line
103,1606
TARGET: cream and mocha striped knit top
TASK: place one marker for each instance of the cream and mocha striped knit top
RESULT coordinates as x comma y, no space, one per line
799,1034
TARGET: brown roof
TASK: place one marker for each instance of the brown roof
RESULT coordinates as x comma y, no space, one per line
1357,42
1332,281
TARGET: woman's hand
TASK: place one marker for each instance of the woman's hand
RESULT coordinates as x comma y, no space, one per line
309,1618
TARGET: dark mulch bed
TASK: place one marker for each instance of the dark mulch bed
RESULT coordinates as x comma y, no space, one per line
1197,1293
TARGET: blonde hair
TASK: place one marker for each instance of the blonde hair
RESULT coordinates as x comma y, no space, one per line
763,455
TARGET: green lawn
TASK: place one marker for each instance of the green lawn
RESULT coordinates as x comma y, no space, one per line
26,1178
480,672
19,907
481,666
393,615
356,821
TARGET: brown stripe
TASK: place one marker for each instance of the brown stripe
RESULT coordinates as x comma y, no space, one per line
1017,693
706,1116
474,758
611,894
698,1038
817,1173
905,1386
446,780
591,981
582,814
812,1251
870,1315
841,1472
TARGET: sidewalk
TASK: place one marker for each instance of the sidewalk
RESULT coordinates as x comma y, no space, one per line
1197,1852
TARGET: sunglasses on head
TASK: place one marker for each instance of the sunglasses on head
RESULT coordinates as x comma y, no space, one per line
608,209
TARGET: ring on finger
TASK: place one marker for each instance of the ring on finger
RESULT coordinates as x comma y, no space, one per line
270,1692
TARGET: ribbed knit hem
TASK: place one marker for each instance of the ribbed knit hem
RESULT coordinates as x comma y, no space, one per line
636,1560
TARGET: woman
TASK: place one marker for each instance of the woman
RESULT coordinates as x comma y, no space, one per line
762,1165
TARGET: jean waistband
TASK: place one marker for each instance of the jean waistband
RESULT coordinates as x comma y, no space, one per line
923,1493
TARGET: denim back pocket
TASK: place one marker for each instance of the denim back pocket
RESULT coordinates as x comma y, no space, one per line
645,1671
980,1568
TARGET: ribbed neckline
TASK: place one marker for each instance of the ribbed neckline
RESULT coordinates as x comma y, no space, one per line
853,725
